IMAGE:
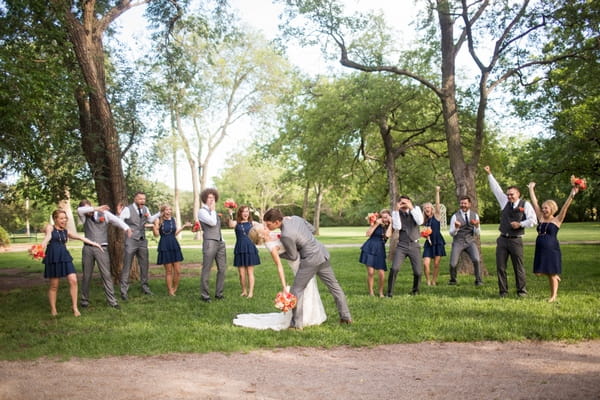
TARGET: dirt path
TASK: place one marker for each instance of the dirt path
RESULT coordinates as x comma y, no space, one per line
486,370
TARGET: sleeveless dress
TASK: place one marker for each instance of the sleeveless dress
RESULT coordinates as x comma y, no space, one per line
372,252
547,258
58,261
169,250
313,311
245,252
437,245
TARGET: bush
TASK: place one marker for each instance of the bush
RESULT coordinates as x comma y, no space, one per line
4,238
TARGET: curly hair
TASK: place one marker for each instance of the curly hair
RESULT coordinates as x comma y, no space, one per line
204,194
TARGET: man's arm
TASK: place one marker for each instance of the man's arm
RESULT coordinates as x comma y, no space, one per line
208,217
152,218
530,218
417,215
113,219
396,222
291,253
452,229
124,213
496,189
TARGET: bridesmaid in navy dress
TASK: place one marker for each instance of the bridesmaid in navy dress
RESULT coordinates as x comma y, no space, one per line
372,252
58,261
169,251
547,259
434,247
245,253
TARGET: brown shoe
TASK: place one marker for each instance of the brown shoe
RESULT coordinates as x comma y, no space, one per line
345,321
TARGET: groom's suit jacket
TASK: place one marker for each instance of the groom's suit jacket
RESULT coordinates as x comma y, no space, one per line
298,239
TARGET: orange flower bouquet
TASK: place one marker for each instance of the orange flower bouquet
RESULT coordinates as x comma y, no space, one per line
230,204
425,233
372,217
285,301
37,252
580,183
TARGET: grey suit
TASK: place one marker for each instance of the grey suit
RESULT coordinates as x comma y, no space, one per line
298,239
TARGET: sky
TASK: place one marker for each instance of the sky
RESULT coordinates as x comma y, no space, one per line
261,15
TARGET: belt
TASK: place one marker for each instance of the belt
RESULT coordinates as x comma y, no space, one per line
91,245
506,235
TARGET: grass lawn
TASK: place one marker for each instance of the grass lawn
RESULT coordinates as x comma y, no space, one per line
161,324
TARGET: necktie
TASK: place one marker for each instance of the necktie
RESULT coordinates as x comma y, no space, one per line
467,218
140,212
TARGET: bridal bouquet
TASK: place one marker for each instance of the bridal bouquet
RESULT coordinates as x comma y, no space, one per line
37,252
372,217
230,204
285,301
579,182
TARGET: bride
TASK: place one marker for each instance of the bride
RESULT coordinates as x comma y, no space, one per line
314,313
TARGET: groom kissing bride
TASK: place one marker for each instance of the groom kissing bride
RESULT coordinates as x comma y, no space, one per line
299,242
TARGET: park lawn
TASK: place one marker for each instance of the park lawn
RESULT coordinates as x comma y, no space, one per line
161,324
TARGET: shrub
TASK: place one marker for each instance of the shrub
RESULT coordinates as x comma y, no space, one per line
4,238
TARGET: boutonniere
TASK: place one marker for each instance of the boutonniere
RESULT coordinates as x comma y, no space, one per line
101,219
521,209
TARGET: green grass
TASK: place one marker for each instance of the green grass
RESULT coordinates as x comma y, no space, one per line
160,324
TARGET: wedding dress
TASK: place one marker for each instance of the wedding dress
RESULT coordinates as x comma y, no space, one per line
313,311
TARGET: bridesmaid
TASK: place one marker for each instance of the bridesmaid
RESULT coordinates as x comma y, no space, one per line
434,247
547,259
58,261
245,253
169,251
372,252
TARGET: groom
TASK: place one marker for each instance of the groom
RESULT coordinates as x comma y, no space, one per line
298,240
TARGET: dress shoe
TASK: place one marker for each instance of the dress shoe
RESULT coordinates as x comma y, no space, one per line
221,297
148,292
124,297
84,305
205,299
345,321
452,283
115,306
503,295
478,283
522,294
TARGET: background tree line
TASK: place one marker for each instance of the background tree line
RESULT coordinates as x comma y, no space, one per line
400,120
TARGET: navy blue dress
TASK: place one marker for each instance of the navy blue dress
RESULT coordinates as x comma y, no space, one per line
245,252
547,258
169,250
372,252
437,245
58,261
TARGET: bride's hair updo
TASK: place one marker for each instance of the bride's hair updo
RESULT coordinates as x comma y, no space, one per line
256,234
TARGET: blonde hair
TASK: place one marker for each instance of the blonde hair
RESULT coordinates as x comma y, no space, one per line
256,234
162,213
552,205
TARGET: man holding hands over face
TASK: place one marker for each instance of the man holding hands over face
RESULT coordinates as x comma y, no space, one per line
406,219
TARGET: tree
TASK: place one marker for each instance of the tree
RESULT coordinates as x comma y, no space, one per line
210,78
459,24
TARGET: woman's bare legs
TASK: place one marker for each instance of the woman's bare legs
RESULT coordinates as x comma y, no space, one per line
370,274
176,277
242,274
169,278
52,291
72,278
426,262
250,271
436,269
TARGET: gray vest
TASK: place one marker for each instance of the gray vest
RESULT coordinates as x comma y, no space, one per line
136,223
512,214
410,230
466,230
211,232
95,230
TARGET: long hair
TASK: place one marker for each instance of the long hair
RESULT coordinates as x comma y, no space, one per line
238,214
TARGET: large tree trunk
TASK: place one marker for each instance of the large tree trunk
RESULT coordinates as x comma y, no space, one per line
319,200
100,140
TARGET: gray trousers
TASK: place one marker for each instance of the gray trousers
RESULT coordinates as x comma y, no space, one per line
89,256
404,249
325,273
213,250
512,247
135,248
458,246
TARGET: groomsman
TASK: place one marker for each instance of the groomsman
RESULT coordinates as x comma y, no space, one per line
213,245
517,214
136,215
95,222
464,226
406,220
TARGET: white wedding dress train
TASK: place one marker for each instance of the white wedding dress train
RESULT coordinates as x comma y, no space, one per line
313,310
